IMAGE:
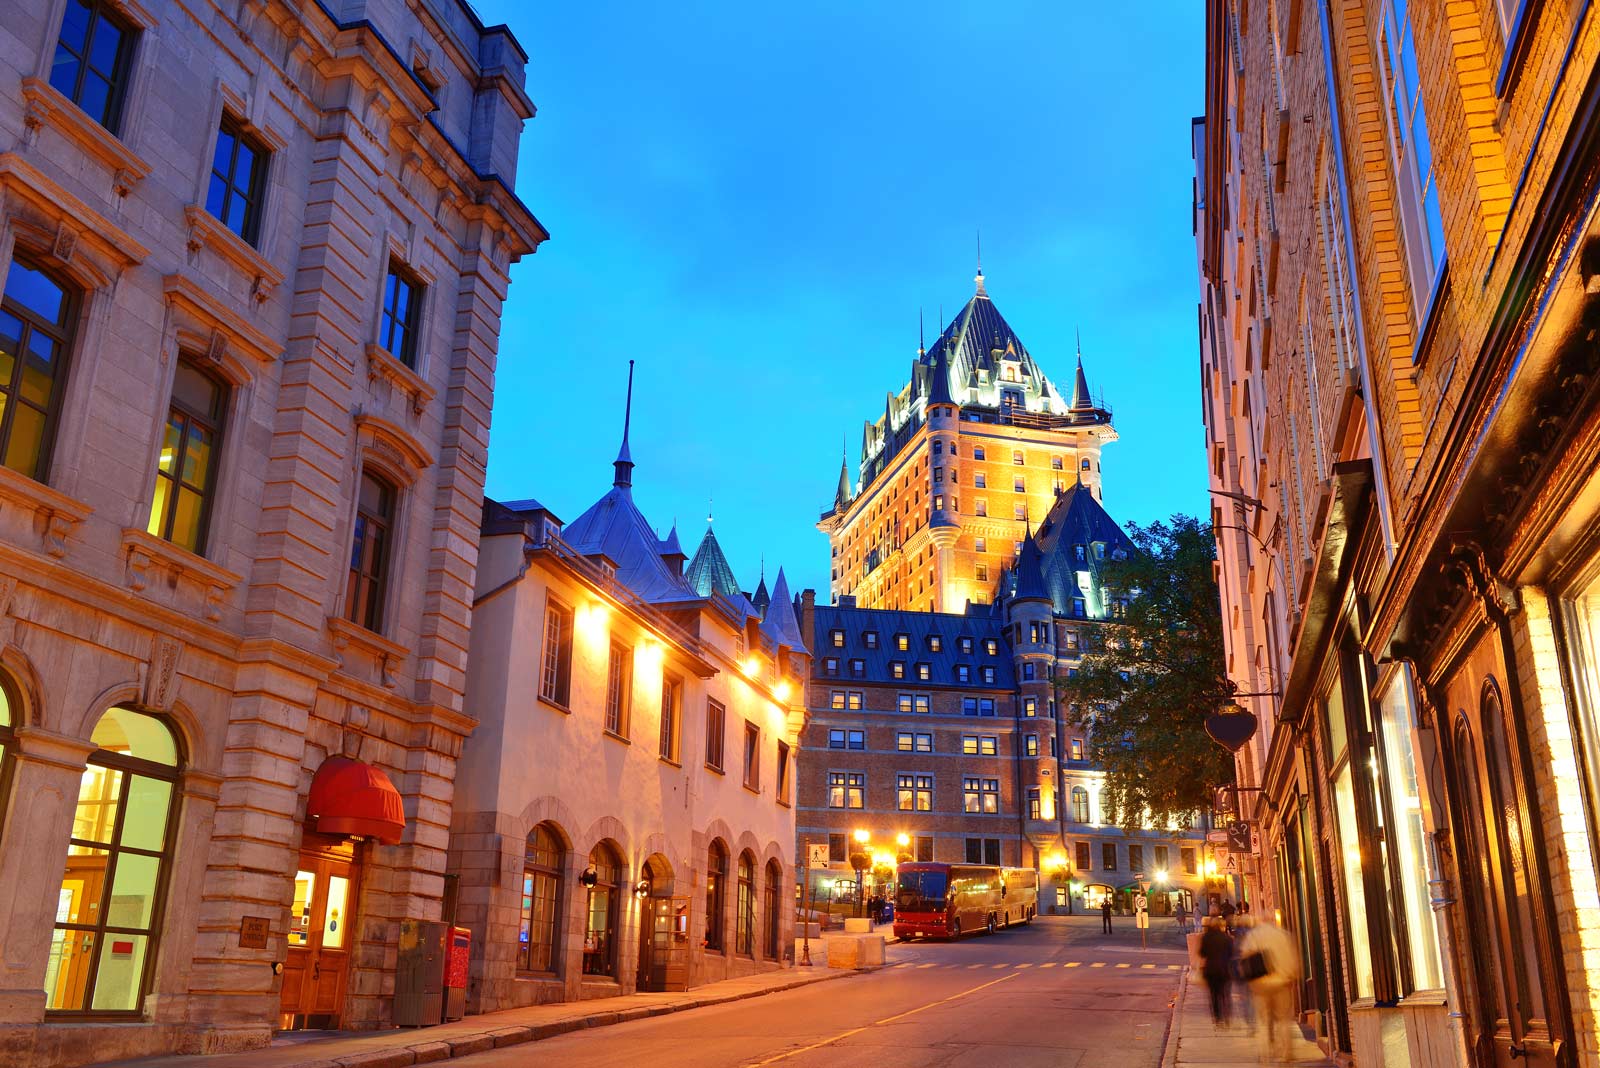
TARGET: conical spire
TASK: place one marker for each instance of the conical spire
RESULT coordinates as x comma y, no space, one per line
624,461
841,497
1030,572
1080,387
780,623
761,598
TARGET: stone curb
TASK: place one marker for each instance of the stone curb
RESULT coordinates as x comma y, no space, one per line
436,1050
1169,1044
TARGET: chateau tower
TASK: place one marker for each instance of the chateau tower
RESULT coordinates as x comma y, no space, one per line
974,444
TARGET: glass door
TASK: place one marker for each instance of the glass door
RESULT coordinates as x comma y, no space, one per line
320,939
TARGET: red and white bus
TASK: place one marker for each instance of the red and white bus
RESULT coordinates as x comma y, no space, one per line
949,900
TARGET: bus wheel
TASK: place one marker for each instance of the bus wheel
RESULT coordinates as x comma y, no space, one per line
991,926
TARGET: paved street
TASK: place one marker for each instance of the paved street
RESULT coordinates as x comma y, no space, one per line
1057,993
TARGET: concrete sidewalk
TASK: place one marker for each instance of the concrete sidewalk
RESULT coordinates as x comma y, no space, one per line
1194,1042
398,1048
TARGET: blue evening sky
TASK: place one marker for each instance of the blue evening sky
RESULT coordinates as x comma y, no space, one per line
753,200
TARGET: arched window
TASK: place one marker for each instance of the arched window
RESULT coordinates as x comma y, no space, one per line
8,741
541,899
600,926
109,913
745,920
716,876
771,895
370,552
36,317
1080,804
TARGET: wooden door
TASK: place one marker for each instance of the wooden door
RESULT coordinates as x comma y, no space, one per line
1514,1000
321,938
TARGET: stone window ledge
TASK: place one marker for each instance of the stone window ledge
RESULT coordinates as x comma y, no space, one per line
45,105
208,231
382,366
388,654
54,515
151,560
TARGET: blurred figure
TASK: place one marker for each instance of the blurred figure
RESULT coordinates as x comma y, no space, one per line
1269,964
1105,914
1182,916
1216,964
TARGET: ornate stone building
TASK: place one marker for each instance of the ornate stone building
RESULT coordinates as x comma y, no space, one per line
970,450
1398,249
944,728
252,260
624,819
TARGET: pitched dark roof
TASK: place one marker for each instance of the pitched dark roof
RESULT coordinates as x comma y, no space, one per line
779,622
1077,519
918,627
613,526
709,570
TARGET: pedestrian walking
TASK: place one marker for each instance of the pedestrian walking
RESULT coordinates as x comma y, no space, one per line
1227,910
1269,965
1182,916
1216,965
1105,914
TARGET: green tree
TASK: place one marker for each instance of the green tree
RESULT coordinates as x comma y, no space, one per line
1152,674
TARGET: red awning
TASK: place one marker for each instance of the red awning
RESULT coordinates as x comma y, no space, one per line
349,797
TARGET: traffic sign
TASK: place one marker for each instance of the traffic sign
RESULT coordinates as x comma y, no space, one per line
1239,837
1219,837
817,855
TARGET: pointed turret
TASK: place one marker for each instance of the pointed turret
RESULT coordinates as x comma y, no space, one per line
624,461
939,387
841,496
779,623
672,550
761,599
1080,390
709,572
1030,572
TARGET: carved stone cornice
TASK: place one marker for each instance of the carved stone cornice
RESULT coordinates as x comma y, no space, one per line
54,515
199,304
208,231
383,367
388,655
44,105
150,561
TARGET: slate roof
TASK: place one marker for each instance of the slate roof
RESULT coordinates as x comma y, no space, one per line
614,526
709,570
918,627
1052,568
779,623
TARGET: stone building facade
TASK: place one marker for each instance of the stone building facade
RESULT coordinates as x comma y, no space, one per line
1397,244
252,263
972,447
943,729
624,810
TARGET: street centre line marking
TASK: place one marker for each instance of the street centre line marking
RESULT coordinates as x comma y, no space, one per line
1122,965
927,966
878,1023
1048,964
1025,964
1073,964
1098,964
997,967
1174,967
970,967
1147,965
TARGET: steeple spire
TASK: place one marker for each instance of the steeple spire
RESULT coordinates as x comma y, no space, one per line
1081,402
624,461
922,347
979,277
841,496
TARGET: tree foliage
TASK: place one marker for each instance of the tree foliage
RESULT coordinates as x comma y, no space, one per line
1145,687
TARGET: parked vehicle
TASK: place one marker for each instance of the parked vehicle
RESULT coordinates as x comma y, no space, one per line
950,900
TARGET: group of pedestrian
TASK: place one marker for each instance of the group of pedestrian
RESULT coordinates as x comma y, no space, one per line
1237,948
878,908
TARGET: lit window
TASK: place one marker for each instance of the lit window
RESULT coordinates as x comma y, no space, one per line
846,789
837,638
367,588
914,793
186,473
36,314
1055,463
238,180
1030,745
555,678
977,452
1016,457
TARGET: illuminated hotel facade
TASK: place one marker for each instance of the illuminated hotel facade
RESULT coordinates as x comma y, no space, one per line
976,442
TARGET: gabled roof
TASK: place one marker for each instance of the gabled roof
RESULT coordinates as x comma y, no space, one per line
613,526
780,624
709,572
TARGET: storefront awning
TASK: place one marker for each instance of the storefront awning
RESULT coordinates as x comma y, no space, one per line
349,797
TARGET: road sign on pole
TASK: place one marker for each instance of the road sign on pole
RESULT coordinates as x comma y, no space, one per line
1239,837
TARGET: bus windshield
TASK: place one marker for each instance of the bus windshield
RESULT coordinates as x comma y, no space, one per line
921,891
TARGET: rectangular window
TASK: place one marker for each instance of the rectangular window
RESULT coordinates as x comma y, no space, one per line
671,716
838,847
897,669
964,644
830,665
924,703
1018,485
186,473
1035,805
1030,745
238,180
980,481
902,642
977,452
963,673
980,507
368,585
935,643
1407,843
1053,751
853,700
836,638
980,545
1187,858
938,474
1030,671
969,706
923,672
1019,511
991,851
782,791
555,677
914,742
619,688
1135,856
986,706
35,318
1055,463
93,59
914,793
1342,761
988,675
716,733
858,668
402,310
1077,749
870,639
1030,707
836,699
1161,858
924,849
846,789
1016,457
1081,855
1108,856
752,756
1411,152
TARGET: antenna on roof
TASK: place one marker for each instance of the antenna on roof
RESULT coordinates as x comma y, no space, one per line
624,461
711,509
979,278
921,336
1079,335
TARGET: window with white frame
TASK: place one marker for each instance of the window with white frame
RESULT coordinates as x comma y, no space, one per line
1411,152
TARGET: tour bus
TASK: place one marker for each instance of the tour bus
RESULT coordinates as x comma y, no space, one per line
949,900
